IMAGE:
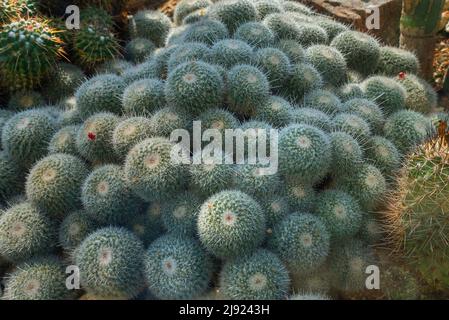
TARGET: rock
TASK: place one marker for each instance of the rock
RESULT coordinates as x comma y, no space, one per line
356,12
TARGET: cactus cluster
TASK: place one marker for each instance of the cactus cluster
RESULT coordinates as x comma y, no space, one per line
88,175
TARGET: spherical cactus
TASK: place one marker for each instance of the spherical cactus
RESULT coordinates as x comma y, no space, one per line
293,50
361,51
188,52
231,224
152,25
38,279
143,97
25,233
301,241
128,133
94,141
151,171
382,153
329,62
247,88
323,100
301,196
406,129
54,183
10,177
276,111
167,120
26,135
180,216
304,151
25,99
230,52
70,114
255,34
64,141
234,13
353,124
368,111
147,227
259,276
312,117
5,115
194,87
196,16
371,231
206,31
110,262
107,197
139,49
74,229
276,207
177,268
218,119
63,81
351,91
253,180
420,96
386,92
349,262
266,7
417,211
26,62
210,178
303,79
275,64
100,94
365,183
311,34
13,9
332,27
346,152
94,44
395,60
185,7
291,6
114,66
340,213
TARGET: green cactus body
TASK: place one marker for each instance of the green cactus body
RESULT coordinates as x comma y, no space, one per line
301,241
54,183
107,197
382,153
64,141
346,153
150,170
276,111
275,64
110,262
395,60
234,13
323,100
353,124
361,51
25,99
128,133
415,218
293,50
38,279
368,111
180,216
304,151
152,25
255,34
177,268
231,224
74,229
206,31
100,94
312,117
10,178
329,62
186,7
247,88
139,49
94,140
259,276
231,52
26,135
303,79
194,87
63,81
29,49
25,233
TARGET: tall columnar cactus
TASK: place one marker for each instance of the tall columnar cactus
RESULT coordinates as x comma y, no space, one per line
417,216
419,24
29,48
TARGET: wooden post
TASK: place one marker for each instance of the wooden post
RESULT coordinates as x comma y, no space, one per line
419,24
